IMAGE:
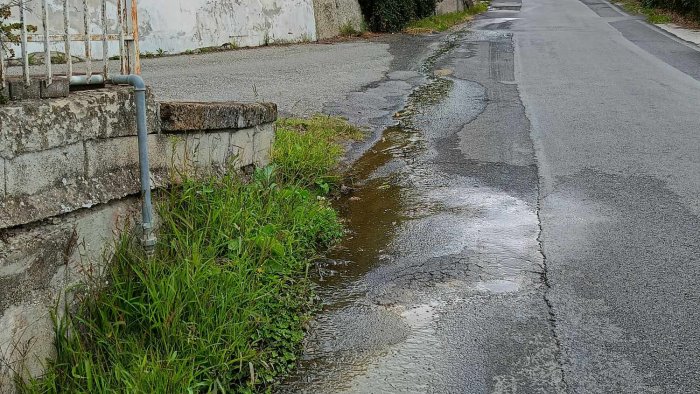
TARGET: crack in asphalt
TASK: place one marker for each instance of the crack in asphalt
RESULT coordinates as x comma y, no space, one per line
544,274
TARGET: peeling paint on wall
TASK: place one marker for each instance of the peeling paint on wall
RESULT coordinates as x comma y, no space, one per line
178,25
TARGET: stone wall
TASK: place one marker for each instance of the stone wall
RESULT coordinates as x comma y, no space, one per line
70,184
333,15
446,6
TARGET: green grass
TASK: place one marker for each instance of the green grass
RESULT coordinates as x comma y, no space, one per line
440,23
222,304
349,30
308,150
653,15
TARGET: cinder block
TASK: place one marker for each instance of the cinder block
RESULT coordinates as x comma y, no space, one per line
19,91
241,147
58,88
263,140
33,172
208,149
111,154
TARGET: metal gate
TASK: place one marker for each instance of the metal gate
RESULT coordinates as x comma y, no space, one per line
85,24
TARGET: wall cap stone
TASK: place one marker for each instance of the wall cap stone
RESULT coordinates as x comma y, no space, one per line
178,116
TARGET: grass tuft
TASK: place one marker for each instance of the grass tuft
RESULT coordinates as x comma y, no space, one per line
653,15
440,23
308,150
222,304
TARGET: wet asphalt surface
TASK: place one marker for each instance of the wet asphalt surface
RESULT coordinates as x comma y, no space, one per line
525,219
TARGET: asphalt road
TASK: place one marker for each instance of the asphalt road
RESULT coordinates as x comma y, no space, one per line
299,78
532,225
615,112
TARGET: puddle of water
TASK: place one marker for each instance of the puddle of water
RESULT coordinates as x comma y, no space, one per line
498,286
372,213
411,229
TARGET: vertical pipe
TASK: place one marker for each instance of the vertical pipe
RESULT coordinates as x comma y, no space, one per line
66,32
105,48
25,54
135,26
120,27
47,43
149,239
88,49
2,65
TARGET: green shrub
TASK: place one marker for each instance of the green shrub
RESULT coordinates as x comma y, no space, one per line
222,304
308,150
686,7
394,15
219,308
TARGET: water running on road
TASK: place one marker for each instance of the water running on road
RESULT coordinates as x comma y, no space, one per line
438,286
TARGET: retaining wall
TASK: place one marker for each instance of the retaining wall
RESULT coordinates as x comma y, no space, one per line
70,185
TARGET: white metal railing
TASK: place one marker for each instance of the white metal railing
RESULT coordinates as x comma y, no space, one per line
124,31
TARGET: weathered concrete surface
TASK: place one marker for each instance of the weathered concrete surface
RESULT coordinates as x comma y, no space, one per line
299,79
334,15
37,264
102,113
70,172
75,153
689,35
447,6
186,116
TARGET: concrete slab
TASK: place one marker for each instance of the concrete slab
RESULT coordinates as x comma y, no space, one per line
690,35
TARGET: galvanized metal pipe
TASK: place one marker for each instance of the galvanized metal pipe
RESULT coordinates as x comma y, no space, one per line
120,27
88,43
66,28
47,43
84,80
23,33
3,79
148,237
105,48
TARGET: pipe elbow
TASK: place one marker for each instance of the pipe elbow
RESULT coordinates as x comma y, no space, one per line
134,80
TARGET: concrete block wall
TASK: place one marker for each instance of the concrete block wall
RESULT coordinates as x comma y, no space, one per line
70,185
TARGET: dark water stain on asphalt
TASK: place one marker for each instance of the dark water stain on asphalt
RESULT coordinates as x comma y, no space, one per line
371,214
437,287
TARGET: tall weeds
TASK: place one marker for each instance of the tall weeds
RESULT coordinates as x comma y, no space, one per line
222,304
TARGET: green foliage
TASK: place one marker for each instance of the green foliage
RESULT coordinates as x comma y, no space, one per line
394,15
443,22
665,11
221,305
9,32
685,7
348,30
308,150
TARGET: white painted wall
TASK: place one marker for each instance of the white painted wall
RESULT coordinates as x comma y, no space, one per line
178,25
